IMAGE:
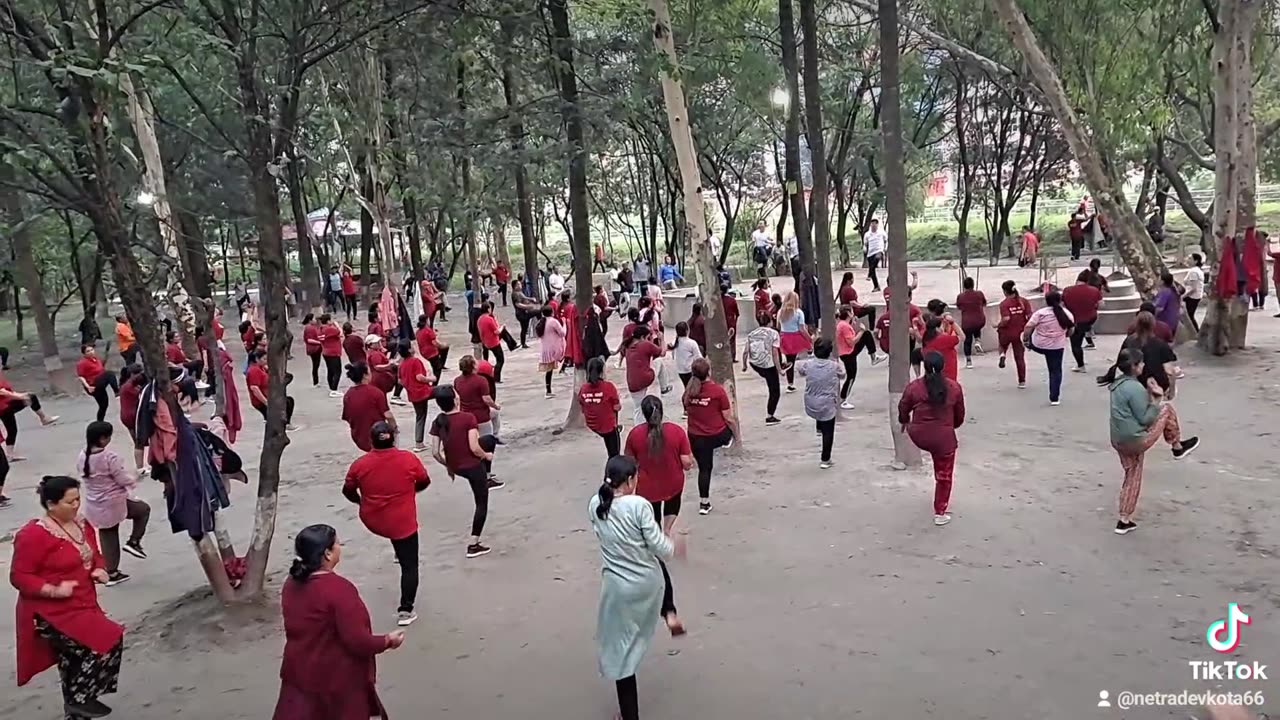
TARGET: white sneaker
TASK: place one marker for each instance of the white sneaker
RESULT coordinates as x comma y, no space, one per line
144,471
968,364
1022,386
334,394
1055,403
846,405
550,395
405,618
1079,369
941,520
825,464
397,401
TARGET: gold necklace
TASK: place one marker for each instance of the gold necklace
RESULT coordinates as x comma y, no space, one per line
81,545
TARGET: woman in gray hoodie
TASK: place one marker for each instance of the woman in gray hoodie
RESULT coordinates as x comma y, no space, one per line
1140,416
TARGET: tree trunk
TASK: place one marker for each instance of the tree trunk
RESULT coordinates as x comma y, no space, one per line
27,276
1132,243
1246,170
1225,317
142,117
195,268
366,228
719,349
311,297
571,114
819,264
794,184
905,452
515,135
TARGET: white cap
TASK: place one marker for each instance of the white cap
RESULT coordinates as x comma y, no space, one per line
372,339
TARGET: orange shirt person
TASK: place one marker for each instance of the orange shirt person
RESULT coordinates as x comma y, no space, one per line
125,340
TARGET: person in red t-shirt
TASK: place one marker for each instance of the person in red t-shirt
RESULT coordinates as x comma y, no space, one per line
427,290
385,482
430,347
492,333
1082,300
638,357
311,344
382,365
1014,313
331,351
348,291
940,337
457,446
13,402
731,314
418,383
502,276
663,453
764,302
930,410
95,379
256,380
711,425
600,404
177,358
353,344
364,405
474,394
972,304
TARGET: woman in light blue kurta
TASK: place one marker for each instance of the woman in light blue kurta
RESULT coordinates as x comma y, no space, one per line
632,582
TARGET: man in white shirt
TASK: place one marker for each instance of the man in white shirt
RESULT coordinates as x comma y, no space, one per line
713,242
874,244
555,281
761,248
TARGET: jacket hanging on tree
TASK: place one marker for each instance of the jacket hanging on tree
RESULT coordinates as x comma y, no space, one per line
1253,262
1226,281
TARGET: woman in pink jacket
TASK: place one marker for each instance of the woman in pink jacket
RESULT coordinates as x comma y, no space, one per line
106,503
552,333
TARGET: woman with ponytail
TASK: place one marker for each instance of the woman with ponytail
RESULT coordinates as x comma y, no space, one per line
711,425
662,452
328,667
459,447
1047,333
639,358
1140,416
107,501
635,586
364,405
931,409
600,404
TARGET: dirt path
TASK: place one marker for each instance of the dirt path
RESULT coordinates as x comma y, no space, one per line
809,594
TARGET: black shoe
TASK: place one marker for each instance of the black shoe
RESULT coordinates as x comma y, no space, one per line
91,709
134,548
1000,364
1189,446
704,508
771,420
1124,528
116,578
495,484
474,551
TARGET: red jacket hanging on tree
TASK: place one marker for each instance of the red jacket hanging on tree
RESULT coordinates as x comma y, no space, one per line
1226,282
572,333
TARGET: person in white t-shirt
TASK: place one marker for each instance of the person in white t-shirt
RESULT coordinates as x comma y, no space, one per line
555,281
874,244
793,256
761,248
713,242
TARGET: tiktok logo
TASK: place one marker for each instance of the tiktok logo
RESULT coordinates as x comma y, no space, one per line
1224,635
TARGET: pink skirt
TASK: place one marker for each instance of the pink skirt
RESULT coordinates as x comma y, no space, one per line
795,343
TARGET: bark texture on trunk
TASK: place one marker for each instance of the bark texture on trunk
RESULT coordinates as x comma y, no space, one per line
906,454
571,113
793,178
719,349
820,259
28,276
142,117
1132,243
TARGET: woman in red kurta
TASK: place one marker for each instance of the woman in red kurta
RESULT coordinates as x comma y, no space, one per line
931,409
56,563
328,670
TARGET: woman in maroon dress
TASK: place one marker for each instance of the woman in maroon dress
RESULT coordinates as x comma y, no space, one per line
328,670
56,563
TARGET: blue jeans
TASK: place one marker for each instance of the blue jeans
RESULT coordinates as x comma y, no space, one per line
1052,360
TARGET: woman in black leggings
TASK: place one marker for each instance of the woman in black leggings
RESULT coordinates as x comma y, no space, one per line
457,446
761,352
857,338
13,402
95,379
711,425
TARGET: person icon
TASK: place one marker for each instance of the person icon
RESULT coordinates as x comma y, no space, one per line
1103,701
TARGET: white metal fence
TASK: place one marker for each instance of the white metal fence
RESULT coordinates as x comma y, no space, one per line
1050,208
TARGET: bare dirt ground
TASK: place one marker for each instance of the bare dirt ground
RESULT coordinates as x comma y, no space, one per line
808,594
